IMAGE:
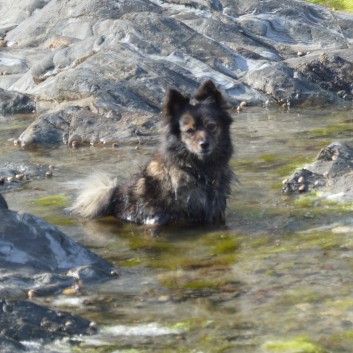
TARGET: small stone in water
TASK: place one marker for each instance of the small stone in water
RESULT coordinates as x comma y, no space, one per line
69,323
19,176
49,174
243,104
11,179
93,325
32,293
302,188
114,273
163,298
70,291
301,180
2,180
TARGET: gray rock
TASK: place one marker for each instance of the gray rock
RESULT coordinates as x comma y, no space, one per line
15,103
3,203
77,126
331,174
39,260
19,11
14,175
26,321
9,345
122,57
37,256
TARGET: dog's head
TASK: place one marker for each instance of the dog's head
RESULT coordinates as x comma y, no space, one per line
200,126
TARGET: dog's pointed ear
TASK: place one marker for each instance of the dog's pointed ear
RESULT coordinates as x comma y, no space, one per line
174,103
209,92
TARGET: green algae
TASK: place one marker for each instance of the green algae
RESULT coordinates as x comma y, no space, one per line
191,324
227,245
295,345
150,244
53,201
131,262
60,221
332,131
341,304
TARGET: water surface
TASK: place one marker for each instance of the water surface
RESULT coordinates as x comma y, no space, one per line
276,278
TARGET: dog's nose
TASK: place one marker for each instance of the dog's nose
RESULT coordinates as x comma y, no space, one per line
204,145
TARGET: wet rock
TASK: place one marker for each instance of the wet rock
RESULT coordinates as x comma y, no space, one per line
76,126
9,345
303,180
3,203
13,175
37,256
15,103
331,174
26,321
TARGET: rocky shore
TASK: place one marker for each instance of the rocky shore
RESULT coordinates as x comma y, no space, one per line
96,72
106,66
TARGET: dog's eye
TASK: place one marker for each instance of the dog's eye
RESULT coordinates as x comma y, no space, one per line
190,131
211,127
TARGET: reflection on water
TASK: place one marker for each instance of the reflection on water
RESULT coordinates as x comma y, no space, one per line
276,278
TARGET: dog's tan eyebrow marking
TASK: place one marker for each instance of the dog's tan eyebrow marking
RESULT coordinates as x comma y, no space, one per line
188,121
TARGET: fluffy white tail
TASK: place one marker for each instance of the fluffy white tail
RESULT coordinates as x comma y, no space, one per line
95,196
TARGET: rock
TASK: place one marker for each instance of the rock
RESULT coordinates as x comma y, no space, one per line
38,260
331,174
37,256
25,321
3,203
330,72
15,103
123,57
77,126
18,12
14,175
9,345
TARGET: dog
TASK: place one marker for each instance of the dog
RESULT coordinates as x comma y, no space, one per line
187,180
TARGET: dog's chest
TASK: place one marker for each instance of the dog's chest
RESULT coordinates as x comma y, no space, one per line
190,188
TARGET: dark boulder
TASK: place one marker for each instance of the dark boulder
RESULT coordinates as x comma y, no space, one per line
3,203
37,256
25,321
15,103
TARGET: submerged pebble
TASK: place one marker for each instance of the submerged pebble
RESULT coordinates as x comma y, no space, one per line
301,180
302,188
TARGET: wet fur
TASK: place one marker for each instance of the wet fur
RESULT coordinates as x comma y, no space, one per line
188,179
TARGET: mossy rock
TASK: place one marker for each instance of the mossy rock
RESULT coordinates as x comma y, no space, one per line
336,5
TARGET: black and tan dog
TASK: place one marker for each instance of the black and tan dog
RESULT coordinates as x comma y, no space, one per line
188,179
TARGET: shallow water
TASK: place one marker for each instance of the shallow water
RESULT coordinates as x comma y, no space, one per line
276,278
